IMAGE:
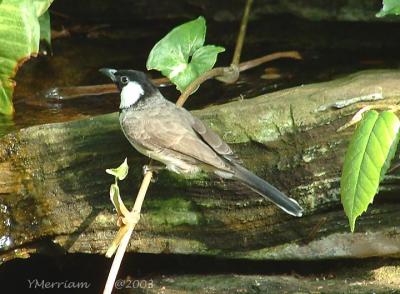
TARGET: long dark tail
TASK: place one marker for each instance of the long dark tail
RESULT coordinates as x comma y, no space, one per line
268,191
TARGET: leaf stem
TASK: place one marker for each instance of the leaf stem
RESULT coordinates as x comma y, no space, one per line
217,71
229,74
267,58
242,33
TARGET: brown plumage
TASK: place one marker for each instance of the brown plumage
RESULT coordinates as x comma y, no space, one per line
172,135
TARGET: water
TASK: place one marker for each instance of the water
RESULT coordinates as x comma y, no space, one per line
329,51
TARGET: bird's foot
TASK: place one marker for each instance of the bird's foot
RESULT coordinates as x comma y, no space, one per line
152,168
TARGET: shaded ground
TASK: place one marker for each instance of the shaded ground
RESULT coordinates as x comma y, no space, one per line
177,274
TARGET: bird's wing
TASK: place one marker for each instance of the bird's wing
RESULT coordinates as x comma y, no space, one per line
169,129
213,140
209,137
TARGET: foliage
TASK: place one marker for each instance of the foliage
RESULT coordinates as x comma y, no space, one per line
119,173
20,35
45,28
181,54
390,7
367,160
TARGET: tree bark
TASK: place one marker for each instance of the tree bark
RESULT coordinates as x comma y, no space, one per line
54,189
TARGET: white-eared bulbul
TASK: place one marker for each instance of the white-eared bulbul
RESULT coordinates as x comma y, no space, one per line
160,130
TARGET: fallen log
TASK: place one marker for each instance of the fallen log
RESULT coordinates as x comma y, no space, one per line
54,189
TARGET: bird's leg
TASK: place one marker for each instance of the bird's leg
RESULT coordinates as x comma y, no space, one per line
155,168
152,168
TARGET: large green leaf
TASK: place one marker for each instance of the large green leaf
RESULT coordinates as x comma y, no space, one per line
367,159
19,35
172,54
389,7
45,28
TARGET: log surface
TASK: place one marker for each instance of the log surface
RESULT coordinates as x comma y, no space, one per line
54,189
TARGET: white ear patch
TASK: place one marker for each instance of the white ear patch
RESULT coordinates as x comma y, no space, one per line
130,94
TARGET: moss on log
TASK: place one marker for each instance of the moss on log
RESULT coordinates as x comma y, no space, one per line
54,189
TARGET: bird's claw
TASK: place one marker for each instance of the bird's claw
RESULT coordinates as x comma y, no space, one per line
152,168
146,169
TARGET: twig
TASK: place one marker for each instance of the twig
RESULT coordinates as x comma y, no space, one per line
218,71
68,93
131,221
242,33
112,275
228,74
267,58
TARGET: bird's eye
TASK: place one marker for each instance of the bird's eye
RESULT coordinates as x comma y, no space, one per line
124,80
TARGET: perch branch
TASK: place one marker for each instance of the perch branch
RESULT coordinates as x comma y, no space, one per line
125,233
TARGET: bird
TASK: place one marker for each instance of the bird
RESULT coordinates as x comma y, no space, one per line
184,144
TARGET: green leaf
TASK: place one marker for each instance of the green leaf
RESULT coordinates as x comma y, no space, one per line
116,200
120,172
367,159
19,35
45,28
41,6
203,60
389,7
171,55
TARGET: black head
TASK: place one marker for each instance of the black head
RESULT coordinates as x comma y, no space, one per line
133,85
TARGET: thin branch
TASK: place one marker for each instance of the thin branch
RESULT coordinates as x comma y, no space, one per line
230,74
218,71
242,33
68,93
131,220
267,58
112,275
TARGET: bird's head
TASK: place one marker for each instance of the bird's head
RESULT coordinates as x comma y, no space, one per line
133,85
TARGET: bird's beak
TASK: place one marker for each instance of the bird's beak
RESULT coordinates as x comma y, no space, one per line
109,72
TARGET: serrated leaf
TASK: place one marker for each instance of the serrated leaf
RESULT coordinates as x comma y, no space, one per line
389,7
120,172
171,55
19,35
367,159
